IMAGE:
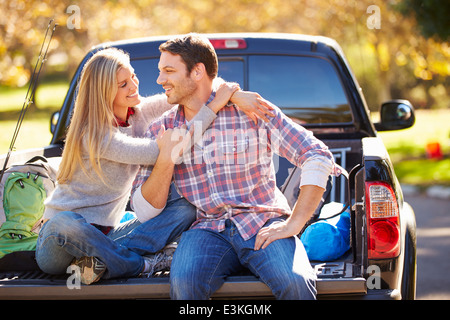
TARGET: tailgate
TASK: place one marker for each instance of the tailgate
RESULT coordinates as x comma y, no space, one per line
338,278
333,279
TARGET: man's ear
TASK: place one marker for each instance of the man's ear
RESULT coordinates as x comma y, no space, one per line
198,72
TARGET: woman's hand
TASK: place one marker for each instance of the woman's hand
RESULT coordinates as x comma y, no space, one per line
223,95
253,105
173,142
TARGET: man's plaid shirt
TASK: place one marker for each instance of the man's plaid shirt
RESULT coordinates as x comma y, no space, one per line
229,173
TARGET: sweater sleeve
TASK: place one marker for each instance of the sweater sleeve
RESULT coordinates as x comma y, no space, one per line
203,119
154,106
125,149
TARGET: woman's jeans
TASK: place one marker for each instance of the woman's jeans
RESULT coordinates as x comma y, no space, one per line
67,236
204,258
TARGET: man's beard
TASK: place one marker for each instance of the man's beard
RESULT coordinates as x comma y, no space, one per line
182,93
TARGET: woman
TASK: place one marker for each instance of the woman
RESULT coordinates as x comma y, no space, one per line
103,151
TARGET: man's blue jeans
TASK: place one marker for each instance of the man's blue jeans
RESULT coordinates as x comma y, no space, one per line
67,236
204,258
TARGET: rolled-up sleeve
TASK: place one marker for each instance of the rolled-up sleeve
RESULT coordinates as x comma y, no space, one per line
142,208
315,171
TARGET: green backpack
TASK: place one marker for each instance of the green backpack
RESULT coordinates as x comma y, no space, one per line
24,190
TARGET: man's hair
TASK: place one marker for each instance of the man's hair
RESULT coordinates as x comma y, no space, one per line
193,48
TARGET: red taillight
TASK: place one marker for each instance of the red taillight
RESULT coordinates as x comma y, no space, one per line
228,43
383,223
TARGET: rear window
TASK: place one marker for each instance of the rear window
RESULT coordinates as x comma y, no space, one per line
307,89
147,73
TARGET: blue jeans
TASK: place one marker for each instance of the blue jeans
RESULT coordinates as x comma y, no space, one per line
67,236
204,258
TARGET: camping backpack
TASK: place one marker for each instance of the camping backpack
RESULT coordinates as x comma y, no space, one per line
23,190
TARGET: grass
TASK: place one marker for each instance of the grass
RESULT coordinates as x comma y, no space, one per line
424,172
35,129
406,147
48,95
34,132
430,126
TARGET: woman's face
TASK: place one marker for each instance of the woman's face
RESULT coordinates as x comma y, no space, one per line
127,91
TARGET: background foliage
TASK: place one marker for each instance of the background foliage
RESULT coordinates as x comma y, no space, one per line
408,56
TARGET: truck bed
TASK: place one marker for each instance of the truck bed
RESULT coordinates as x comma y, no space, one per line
334,278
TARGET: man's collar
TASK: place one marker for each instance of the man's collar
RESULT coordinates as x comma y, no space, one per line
180,118
211,97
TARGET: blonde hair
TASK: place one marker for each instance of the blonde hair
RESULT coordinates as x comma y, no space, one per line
93,115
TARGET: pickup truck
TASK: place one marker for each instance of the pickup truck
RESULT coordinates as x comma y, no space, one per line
309,78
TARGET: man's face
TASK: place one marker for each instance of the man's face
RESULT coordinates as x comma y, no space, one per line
174,78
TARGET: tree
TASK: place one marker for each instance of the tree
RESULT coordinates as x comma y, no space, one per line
390,60
432,16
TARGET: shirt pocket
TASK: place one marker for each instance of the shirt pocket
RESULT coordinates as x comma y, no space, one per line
235,152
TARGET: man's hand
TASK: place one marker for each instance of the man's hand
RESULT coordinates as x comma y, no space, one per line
307,202
277,230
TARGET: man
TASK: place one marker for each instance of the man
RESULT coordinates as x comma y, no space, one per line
243,220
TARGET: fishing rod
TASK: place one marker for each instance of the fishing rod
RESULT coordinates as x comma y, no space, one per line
31,87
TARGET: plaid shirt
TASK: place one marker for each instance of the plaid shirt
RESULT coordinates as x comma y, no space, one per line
229,173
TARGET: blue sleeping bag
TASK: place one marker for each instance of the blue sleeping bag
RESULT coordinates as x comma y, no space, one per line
328,239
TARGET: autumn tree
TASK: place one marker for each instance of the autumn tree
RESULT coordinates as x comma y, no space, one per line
386,48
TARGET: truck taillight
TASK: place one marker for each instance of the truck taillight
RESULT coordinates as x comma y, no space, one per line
383,224
228,43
